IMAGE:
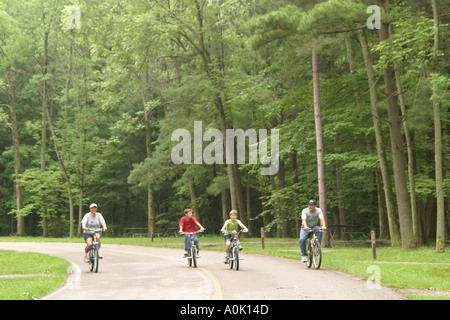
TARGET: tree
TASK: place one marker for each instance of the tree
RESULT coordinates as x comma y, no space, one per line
401,191
440,232
319,138
11,56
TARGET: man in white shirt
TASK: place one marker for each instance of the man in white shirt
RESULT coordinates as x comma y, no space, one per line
310,217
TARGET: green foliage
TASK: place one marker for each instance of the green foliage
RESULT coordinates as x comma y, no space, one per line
130,59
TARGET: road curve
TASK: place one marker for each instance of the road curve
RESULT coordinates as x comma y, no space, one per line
146,273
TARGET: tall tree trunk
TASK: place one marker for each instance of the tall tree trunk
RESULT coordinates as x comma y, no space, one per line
248,200
382,215
414,216
294,171
440,223
401,190
319,139
193,194
283,210
263,182
225,195
240,196
64,171
217,84
392,219
148,142
81,158
44,130
16,152
339,189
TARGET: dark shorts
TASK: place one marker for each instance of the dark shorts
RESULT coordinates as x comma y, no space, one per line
90,235
228,237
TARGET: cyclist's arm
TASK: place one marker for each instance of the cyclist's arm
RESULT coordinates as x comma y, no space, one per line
200,226
103,223
305,226
322,223
224,226
242,226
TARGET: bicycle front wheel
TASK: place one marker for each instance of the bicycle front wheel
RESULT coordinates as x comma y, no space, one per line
194,255
91,260
231,259
317,254
309,251
95,260
236,257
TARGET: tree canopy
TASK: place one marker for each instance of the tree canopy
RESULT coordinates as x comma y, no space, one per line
97,98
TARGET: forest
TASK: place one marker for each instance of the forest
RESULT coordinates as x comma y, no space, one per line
128,104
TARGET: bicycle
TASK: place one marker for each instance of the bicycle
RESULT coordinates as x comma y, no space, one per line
234,251
93,253
193,251
314,250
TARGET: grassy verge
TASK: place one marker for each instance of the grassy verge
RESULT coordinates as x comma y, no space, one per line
420,274
29,275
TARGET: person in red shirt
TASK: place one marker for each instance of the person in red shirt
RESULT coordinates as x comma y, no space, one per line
188,224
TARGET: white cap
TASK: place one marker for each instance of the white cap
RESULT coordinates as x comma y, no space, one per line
92,205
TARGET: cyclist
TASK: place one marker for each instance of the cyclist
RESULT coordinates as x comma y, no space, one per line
310,216
229,228
187,224
92,220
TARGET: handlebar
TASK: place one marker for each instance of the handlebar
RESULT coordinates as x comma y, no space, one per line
237,233
198,231
93,230
319,230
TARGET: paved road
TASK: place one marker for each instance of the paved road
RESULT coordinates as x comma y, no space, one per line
133,272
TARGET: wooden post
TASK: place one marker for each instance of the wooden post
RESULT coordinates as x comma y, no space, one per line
262,238
374,247
152,234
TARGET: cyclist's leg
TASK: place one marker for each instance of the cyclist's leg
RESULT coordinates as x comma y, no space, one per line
318,233
187,242
196,242
99,235
303,237
88,240
227,247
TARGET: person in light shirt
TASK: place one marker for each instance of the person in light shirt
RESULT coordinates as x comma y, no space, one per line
310,217
92,220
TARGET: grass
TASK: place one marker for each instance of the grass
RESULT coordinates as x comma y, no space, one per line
29,275
420,274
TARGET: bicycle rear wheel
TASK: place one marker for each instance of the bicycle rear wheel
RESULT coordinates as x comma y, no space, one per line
317,254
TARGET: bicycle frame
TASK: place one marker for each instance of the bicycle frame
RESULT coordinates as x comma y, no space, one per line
314,250
93,253
234,251
193,251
